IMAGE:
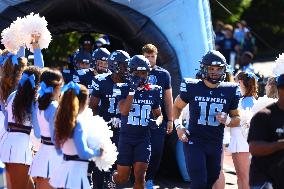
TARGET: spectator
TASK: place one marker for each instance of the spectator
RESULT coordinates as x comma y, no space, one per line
219,33
228,46
246,62
271,88
240,30
248,43
266,143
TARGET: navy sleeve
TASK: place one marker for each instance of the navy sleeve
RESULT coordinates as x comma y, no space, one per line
184,95
157,100
80,140
96,88
124,92
167,78
236,98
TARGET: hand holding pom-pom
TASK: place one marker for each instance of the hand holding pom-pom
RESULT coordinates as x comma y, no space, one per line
99,135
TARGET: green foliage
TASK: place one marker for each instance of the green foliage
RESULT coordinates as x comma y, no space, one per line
62,46
235,9
265,17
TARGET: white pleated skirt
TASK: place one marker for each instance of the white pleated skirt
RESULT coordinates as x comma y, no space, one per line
238,143
16,148
70,175
45,161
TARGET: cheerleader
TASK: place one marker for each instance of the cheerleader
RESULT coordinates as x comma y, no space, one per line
71,137
19,120
47,158
238,144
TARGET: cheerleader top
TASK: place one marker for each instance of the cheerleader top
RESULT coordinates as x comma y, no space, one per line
77,144
29,123
46,120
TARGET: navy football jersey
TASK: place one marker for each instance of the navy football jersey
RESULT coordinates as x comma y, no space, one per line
106,90
161,77
204,104
144,101
82,76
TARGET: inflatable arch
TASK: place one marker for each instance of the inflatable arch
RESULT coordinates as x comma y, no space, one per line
182,30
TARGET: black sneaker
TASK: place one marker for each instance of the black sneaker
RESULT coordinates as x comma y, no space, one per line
109,183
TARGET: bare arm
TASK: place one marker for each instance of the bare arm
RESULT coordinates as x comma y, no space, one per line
234,118
94,104
263,148
125,105
179,104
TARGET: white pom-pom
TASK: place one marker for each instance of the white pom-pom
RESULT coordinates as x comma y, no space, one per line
245,116
99,135
34,24
12,37
279,66
261,103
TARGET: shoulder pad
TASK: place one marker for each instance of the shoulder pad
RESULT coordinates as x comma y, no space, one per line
101,77
229,84
155,87
66,71
190,80
122,84
81,72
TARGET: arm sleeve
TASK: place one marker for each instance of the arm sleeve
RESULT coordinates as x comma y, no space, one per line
6,120
259,129
168,84
124,93
157,101
80,140
236,98
184,95
50,114
96,88
35,123
38,58
21,52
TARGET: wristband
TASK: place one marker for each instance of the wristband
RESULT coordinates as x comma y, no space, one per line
228,120
177,124
131,93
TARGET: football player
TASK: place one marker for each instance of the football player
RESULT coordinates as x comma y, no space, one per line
100,56
83,74
103,100
137,100
161,77
213,104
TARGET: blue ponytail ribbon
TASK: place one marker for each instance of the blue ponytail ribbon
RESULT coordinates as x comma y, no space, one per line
44,89
26,77
252,75
4,58
71,85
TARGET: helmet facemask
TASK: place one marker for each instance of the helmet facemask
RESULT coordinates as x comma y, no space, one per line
213,74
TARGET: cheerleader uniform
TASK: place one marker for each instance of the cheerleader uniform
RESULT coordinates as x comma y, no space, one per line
16,144
238,141
47,158
72,172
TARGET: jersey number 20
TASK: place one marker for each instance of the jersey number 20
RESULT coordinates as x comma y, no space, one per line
139,115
